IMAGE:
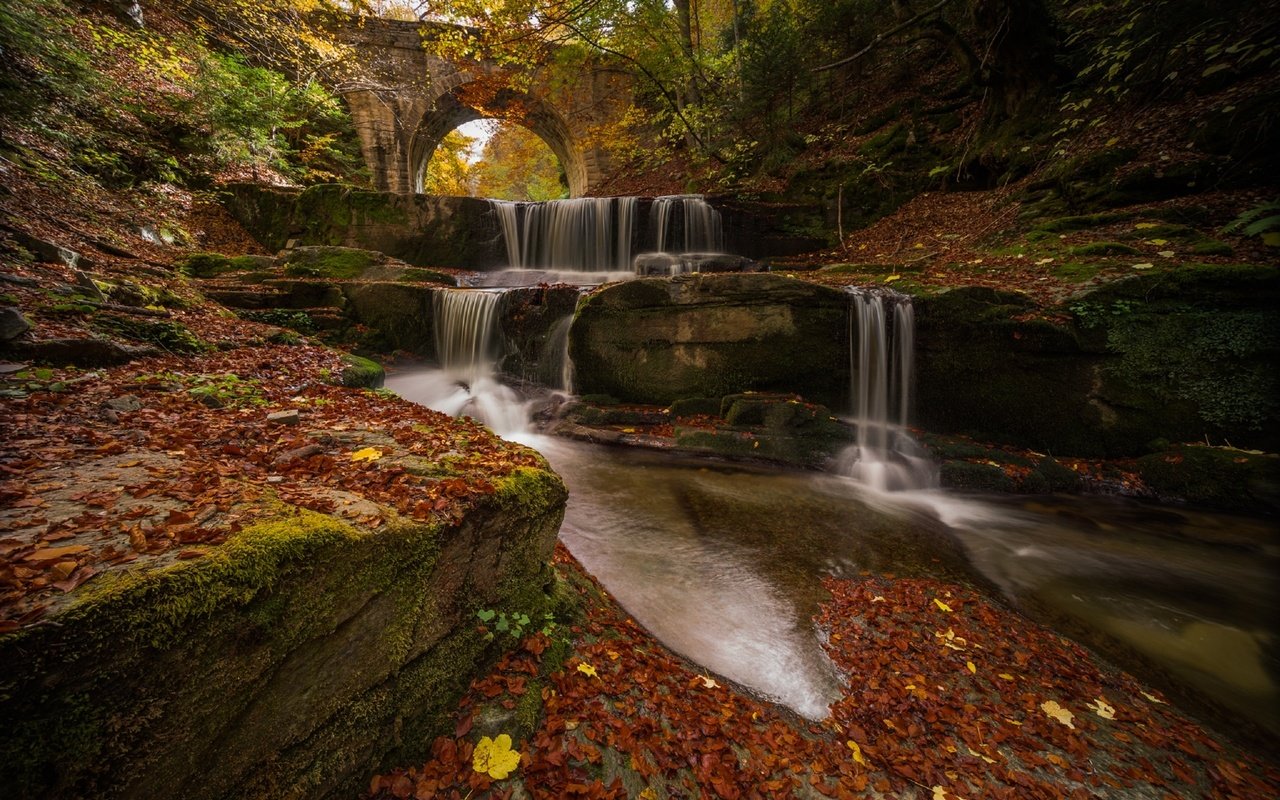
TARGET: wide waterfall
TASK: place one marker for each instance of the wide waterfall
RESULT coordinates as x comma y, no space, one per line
566,240
881,363
587,234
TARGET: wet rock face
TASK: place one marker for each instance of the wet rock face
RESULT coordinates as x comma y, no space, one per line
1165,357
658,340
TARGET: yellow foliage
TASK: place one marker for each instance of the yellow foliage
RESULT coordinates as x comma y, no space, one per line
494,757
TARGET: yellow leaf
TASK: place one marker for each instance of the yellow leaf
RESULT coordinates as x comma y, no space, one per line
588,670
648,794
941,604
976,754
892,278
1271,238
878,599
613,655
1005,676
367,454
857,754
707,682
494,757
971,667
1142,226
1102,708
1157,242
1059,713
1153,698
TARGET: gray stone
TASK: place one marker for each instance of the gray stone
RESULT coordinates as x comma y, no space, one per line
289,417
127,402
48,252
88,287
657,264
80,352
12,324
657,340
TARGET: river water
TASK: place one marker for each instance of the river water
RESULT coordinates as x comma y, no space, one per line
723,564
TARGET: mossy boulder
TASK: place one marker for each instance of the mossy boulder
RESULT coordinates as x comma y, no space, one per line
400,315
291,661
361,373
1174,355
422,230
773,427
657,340
211,265
341,263
1217,477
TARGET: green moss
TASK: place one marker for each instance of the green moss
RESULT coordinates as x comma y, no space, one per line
695,406
967,476
330,262
361,373
1212,247
205,265
167,334
1082,222
1074,271
299,321
1215,476
419,275
1104,249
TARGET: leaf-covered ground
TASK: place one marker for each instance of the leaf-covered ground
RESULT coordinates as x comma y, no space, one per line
948,696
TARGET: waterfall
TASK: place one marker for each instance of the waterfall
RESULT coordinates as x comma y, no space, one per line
881,364
697,229
467,336
469,345
589,234
559,365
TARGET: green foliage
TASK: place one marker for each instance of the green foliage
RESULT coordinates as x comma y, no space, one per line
221,391
299,321
1261,220
166,334
514,625
39,61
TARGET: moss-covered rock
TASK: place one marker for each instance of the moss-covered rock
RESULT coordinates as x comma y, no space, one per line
400,314
781,428
1175,355
211,265
422,230
657,340
287,662
330,262
1218,477
361,373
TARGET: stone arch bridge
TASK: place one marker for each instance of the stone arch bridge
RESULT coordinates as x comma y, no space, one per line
409,97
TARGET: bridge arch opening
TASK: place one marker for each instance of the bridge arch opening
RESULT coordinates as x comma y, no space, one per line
451,111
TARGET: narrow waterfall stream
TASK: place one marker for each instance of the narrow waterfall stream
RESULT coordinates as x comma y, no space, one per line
881,358
723,562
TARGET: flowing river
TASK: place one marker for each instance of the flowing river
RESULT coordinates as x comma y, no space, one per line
723,562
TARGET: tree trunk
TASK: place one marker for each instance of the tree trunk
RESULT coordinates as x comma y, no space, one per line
1020,43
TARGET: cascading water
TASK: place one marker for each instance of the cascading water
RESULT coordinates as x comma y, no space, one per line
696,229
469,345
586,234
881,362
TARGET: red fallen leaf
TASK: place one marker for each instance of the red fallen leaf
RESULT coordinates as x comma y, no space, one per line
463,727
84,574
52,554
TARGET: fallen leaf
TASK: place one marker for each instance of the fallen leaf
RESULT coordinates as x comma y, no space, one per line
1102,708
971,667
1143,266
708,683
494,757
588,670
857,754
941,604
46,554
1153,698
895,276
1059,713
367,454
